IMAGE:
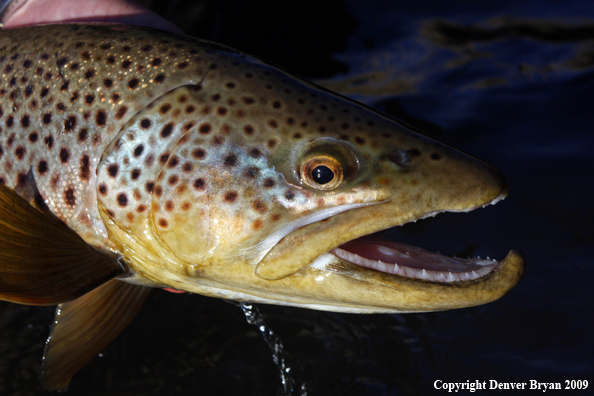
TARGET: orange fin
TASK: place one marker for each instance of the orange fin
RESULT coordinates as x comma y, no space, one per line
42,261
84,327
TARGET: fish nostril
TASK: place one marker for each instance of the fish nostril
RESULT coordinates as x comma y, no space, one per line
402,158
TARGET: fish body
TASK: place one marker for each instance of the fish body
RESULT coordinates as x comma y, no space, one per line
188,165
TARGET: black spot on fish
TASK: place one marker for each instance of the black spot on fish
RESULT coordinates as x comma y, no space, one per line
70,123
121,112
133,83
167,129
230,196
101,118
199,153
149,186
64,155
42,167
85,169
165,108
230,160
205,128
49,141
113,170
122,199
70,197
173,162
20,152
138,150
82,134
254,152
25,120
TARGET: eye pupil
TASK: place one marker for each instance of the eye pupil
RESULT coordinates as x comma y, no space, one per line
322,174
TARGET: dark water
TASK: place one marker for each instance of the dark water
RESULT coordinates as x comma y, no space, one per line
511,82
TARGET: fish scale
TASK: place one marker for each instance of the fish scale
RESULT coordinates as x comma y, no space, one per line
66,93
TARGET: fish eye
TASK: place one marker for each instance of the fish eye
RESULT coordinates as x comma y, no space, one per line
322,174
326,164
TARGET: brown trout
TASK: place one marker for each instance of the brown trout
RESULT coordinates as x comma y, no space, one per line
131,157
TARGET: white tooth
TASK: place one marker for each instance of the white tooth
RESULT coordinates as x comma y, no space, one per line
424,274
451,277
474,275
441,276
396,269
390,268
382,267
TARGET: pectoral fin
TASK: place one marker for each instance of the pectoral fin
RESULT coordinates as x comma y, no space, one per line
85,326
42,261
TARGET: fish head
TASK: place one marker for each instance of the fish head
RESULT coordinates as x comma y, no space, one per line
267,195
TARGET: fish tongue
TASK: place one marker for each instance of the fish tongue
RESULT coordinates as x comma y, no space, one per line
405,255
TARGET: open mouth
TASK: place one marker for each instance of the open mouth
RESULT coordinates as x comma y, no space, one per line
413,262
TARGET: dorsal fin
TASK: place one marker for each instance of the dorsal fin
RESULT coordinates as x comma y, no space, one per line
42,261
84,327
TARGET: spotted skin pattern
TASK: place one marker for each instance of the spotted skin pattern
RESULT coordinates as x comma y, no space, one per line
66,93
157,127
